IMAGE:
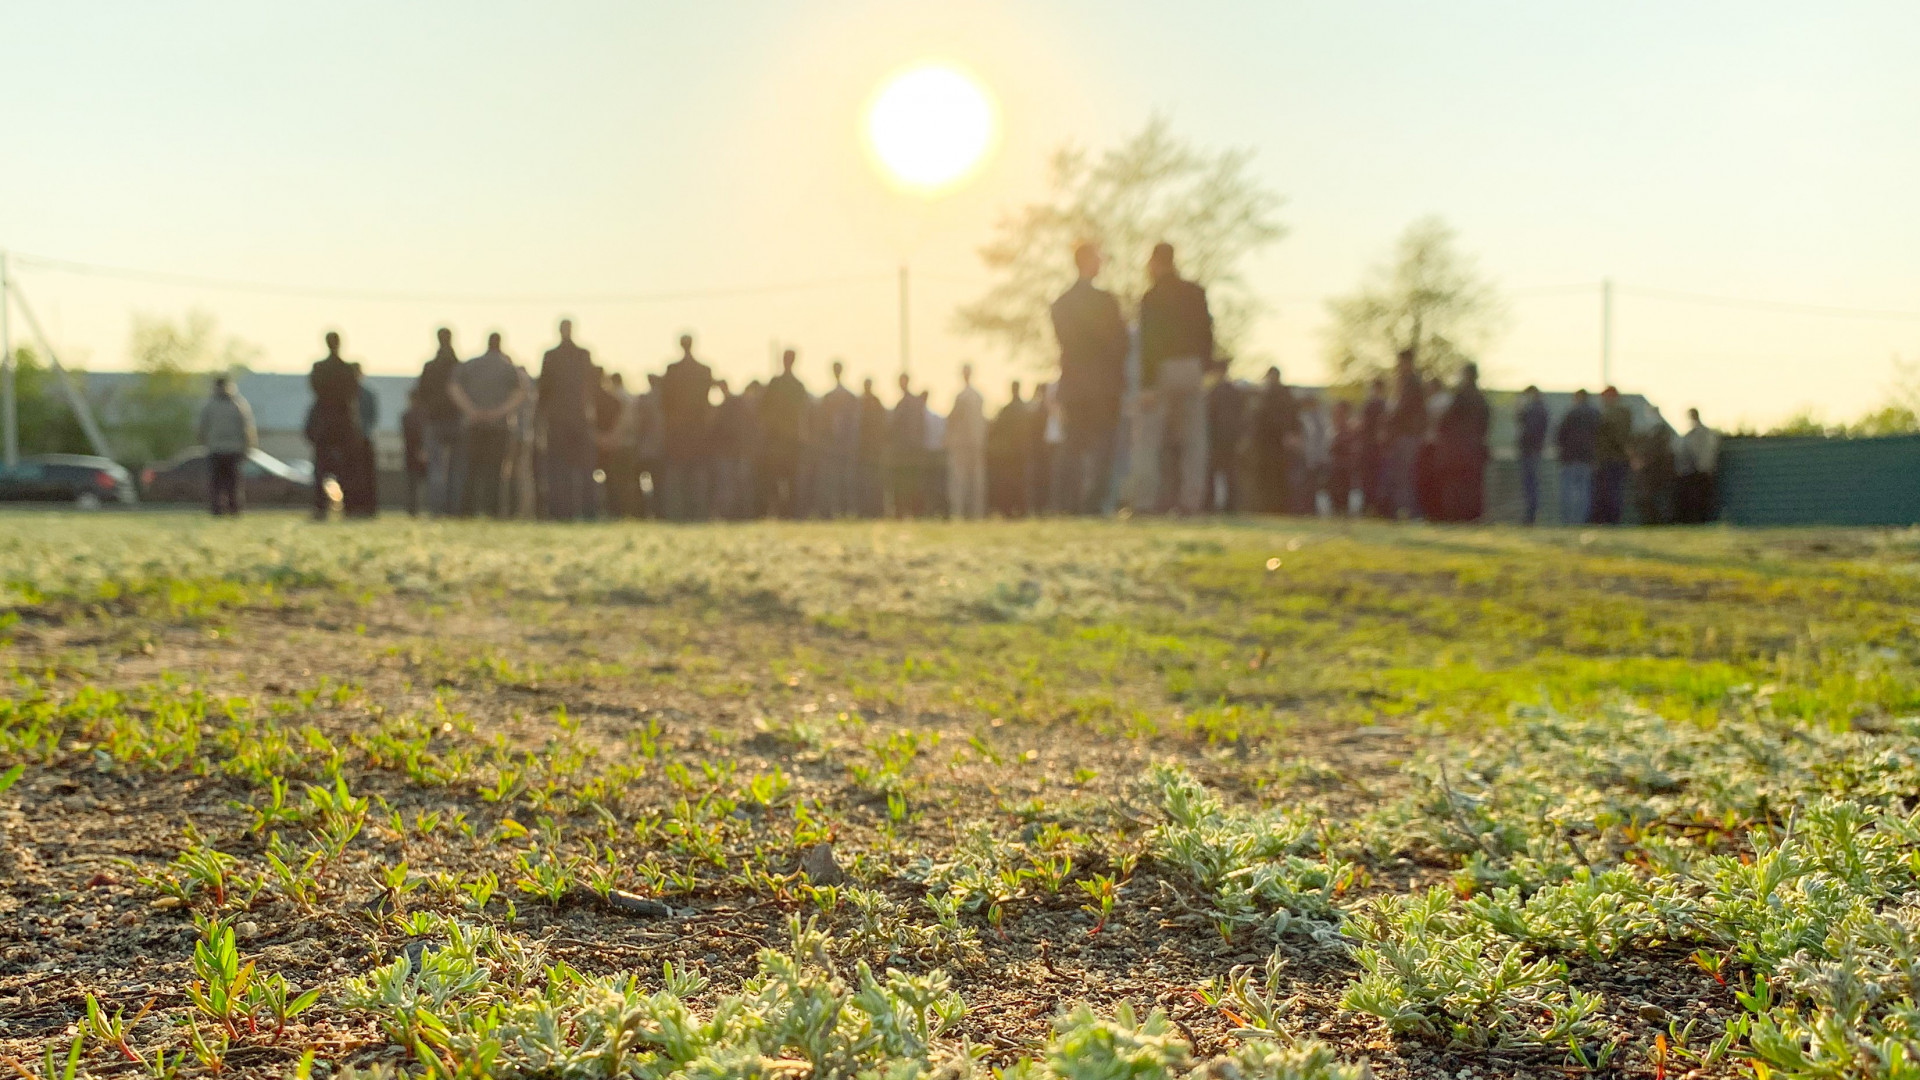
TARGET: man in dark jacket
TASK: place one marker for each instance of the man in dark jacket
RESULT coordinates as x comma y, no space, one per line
686,414
333,425
1226,428
1461,449
1612,459
1007,457
1272,443
1574,439
568,388
1371,452
1176,345
1093,382
1406,432
440,428
783,424
1530,420
870,456
908,452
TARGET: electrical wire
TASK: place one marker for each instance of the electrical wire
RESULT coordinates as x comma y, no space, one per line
1765,305
321,292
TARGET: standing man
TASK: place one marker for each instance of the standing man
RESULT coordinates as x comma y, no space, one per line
908,428
730,445
1093,382
1461,449
333,424
870,453
620,448
783,414
1007,458
226,430
1612,459
1575,439
1176,345
1273,443
1654,468
1371,452
487,391
1530,420
1696,462
1226,427
837,447
686,412
966,446
1406,432
441,426
568,388
362,497
413,449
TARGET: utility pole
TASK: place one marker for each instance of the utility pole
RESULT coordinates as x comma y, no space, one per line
903,318
8,406
1606,332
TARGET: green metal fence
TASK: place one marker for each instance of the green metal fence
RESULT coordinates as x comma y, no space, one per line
1816,481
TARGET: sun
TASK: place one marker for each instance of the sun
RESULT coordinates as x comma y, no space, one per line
930,126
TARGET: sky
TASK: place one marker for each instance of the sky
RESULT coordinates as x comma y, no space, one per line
495,166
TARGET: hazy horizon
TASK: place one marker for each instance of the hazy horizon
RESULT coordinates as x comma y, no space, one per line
1760,152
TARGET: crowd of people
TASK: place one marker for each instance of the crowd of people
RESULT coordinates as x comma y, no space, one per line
1144,417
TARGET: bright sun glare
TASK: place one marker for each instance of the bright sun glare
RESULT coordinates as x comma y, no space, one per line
930,126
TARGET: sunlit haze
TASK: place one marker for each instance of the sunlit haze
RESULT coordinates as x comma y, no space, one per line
930,126
652,168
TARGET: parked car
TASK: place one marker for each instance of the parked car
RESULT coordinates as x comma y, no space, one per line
81,479
264,479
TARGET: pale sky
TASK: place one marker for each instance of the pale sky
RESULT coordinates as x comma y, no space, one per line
1755,150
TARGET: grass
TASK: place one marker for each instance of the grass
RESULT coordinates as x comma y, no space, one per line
1261,798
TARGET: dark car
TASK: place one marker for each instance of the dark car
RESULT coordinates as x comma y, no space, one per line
265,480
81,479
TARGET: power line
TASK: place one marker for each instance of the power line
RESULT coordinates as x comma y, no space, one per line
321,292
1767,305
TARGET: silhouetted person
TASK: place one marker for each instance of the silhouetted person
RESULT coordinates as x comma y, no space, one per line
965,441
619,449
226,429
1373,441
871,452
1226,431
1612,459
1272,440
1093,382
650,446
1049,466
783,412
836,446
567,392
413,449
489,393
907,452
333,423
1652,453
1530,423
1429,486
1696,465
1007,457
1176,345
1343,459
733,448
1460,449
1406,432
686,410
1307,470
441,426
1575,439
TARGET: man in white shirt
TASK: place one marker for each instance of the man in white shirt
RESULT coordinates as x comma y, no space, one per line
966,444
1696,465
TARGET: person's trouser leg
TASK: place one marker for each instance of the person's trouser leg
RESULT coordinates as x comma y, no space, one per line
1402,484
224,471
1576,492
443,469
1530,488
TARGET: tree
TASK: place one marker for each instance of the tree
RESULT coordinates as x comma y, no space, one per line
1152,187
174,361
1429,298
47,423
